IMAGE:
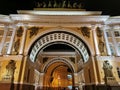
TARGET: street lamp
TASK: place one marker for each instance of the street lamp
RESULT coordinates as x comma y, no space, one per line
58,82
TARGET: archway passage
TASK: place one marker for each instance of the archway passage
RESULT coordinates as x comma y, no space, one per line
59,56
58,77
58,63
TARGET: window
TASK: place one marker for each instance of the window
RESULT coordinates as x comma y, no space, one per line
116,33
118,71
112,49
119,47
108,34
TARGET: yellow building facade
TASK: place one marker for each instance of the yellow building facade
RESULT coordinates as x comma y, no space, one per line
58,50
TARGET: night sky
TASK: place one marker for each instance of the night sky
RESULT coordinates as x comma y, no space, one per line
108,7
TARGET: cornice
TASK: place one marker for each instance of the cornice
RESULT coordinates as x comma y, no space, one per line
59,18
5,19
113,20
59,12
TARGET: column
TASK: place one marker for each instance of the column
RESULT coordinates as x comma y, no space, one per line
114,42
94,70
23,40
11,40
41,81
106,41
76,79
95,40
3,39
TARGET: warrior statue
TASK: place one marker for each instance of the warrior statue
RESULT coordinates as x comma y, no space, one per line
107,69
10,68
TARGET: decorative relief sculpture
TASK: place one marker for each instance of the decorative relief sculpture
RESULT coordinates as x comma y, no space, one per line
33,31
72,59
45,59
77,4
108,77
101,46
16,45
99,32
85,31
10,67
107,69
20,31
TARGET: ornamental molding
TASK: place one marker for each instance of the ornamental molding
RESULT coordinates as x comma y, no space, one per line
58,59
59,18
113,20
5,19
105,57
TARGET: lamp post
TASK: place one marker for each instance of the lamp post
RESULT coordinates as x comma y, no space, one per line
58,82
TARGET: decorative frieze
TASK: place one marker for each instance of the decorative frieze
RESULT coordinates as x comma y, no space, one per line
105,57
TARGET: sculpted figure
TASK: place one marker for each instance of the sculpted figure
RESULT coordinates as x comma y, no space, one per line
10,68
101,46
107,69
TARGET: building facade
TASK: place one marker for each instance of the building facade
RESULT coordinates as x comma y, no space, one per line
54,50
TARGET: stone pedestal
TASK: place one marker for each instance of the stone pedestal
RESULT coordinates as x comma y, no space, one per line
111,81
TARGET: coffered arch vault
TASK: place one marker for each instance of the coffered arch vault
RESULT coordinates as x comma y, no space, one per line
60,37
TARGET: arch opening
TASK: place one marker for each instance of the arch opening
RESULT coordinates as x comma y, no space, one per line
59,51
58,63
55,79
56,37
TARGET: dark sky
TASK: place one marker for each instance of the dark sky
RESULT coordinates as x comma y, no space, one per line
108,7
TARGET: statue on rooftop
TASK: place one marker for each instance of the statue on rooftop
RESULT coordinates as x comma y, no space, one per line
75,4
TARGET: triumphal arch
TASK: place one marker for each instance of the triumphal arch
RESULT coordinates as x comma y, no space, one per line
59,49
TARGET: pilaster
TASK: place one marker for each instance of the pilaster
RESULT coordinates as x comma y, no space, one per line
76,78
114,42
23,40
41,79
106,41
11,40
95,40
3,39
